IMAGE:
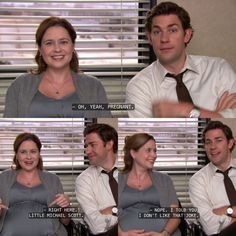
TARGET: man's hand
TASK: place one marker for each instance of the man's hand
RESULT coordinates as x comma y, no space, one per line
107,211
220,211
227,101
171,109
223,211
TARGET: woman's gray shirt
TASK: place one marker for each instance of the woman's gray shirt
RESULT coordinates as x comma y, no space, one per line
51,183
21,92
162,183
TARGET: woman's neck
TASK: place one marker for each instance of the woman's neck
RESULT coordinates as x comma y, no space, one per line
58,76
31,173
140,173
139,178
28,178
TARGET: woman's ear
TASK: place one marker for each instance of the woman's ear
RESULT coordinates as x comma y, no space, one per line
133,153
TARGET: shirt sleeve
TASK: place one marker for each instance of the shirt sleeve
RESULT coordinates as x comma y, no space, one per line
102,96
138,93
11,102
227,82
98,223
211,223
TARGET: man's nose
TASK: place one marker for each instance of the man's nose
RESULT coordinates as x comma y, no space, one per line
87,150
164,36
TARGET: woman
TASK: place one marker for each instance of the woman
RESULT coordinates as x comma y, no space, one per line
52,88
141,188
26,189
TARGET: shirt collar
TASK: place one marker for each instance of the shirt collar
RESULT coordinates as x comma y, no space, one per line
189,64
214,168
100,169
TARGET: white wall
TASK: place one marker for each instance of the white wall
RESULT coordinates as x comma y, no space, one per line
214,22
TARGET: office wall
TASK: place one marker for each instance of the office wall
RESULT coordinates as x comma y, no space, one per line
232,124
214,22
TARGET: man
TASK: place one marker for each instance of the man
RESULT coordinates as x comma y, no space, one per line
211,82
93,191
208,189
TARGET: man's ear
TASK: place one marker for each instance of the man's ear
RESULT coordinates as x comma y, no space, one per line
109,145
231,144
188,35
149,37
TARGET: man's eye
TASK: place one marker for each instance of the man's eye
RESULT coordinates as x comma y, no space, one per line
172,30
218,140
64,42
156,32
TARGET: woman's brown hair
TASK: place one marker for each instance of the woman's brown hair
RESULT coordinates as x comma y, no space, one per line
19,140
134,142
45,24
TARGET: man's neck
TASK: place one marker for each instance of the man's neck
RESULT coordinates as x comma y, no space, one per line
109,163
224,166
176,67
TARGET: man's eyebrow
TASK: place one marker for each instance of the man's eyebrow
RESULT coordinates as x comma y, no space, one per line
218,137
91,142
168,26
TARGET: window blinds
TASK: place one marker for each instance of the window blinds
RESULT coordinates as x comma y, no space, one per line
179,147
180,150
111,41
62,146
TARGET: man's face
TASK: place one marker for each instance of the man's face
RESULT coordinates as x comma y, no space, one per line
218,147
168,39
96,149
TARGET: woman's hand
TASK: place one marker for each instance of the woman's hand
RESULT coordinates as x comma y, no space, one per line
152,233
2,206
134,232
61,200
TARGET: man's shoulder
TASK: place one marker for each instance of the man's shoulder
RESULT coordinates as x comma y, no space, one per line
206,60
144,74
202,173
90,172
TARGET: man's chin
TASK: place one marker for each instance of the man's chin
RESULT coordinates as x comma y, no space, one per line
92,162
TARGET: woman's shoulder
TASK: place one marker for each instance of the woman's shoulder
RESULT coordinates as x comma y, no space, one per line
25,79
160,175
87,79
7,173
27,76
46,175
